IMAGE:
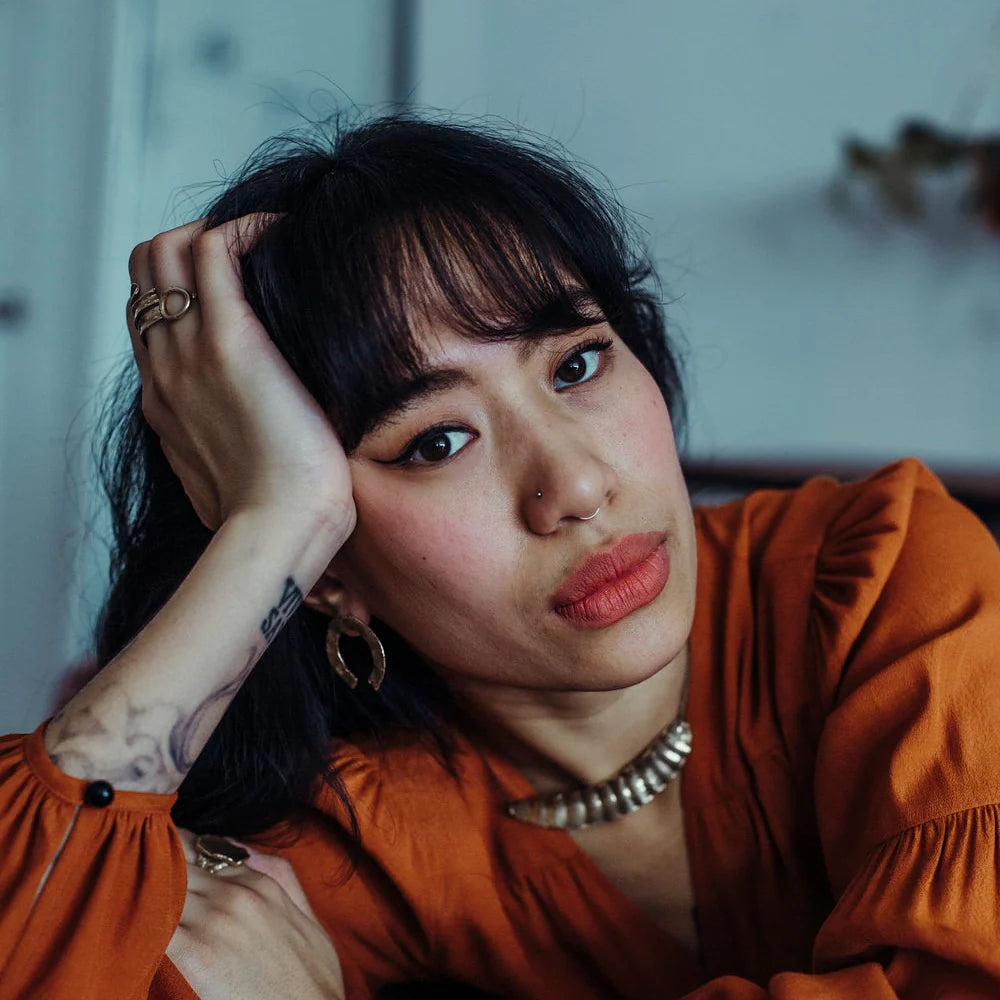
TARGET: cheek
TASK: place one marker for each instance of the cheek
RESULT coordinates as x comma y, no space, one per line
410,560
645,438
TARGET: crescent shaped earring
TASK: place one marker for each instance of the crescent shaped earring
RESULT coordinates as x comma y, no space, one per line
347,624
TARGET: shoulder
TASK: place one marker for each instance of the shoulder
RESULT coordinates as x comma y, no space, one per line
833,552
862,620
824,514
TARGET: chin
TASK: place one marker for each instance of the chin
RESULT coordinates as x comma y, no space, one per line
638,652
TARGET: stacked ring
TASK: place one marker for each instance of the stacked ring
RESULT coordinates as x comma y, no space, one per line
213,854
149,308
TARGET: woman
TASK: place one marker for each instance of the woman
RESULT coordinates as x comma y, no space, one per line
414,386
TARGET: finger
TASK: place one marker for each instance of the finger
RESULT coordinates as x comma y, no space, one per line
171,266
180,948
198,904
140,265
214,884
272,878
216,254
187,839
280,870
142,281
201,878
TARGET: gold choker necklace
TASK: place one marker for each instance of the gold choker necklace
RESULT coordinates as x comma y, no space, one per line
638,782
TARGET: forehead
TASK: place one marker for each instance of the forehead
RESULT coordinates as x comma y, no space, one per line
442,346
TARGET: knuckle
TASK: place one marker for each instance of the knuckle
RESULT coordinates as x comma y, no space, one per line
138,257
243,904
160,249
207,244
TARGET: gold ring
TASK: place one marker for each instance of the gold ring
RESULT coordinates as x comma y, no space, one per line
188,297
149,308
213,853
146,317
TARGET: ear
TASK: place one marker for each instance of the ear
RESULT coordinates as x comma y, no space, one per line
331,597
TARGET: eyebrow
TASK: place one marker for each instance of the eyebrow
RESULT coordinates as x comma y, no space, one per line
436,381
418,390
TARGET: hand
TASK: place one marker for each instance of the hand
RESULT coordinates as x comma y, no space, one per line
236,425
249,933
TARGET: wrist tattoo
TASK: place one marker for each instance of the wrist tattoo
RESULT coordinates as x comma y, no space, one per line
149,747
277,617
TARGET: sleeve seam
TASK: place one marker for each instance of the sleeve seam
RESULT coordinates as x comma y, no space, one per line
32,746
931,820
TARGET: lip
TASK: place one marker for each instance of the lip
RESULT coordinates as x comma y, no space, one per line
608,586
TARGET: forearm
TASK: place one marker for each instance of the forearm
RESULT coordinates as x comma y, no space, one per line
143,720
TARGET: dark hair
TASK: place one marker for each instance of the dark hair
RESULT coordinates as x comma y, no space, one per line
382,224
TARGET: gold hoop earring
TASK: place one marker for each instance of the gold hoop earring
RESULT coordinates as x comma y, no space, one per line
347,624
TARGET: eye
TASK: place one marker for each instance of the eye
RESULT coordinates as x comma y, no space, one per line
583,364
435,445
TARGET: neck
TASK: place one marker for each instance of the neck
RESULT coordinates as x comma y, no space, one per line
561,739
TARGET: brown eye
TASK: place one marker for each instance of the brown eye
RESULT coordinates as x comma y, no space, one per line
581,365
438,445
435,448
573,369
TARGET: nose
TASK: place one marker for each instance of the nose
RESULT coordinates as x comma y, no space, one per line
564,477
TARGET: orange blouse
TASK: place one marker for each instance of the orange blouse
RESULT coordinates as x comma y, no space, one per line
841,804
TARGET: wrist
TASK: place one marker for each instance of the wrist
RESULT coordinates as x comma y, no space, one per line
322,528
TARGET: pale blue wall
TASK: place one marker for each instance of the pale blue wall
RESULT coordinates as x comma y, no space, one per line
810,334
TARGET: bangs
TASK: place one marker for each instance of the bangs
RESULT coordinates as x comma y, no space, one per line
409,226
485,277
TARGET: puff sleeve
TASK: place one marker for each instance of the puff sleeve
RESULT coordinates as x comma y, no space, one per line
903,638
90,894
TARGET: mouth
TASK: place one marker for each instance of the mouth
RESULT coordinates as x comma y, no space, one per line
608,586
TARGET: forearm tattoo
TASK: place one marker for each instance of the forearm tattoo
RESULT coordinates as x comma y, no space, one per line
103,733
291,598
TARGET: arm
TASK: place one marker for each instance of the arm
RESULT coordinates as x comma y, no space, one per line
905,621
91,892
261,465
142,721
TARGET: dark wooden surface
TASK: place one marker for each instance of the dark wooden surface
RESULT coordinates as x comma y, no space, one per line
977,488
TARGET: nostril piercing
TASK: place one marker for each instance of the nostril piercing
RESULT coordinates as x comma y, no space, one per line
590,517
539,494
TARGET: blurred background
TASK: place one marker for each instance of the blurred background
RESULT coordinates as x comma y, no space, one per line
819,183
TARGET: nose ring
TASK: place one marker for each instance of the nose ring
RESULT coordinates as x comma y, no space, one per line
590,517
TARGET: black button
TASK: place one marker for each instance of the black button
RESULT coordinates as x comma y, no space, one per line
99,794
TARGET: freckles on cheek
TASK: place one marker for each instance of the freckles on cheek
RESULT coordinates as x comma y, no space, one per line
645,424
423,550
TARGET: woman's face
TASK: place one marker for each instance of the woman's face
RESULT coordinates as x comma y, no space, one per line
458,552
